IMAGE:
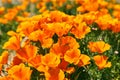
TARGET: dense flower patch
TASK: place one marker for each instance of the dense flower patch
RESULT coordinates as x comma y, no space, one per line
60,40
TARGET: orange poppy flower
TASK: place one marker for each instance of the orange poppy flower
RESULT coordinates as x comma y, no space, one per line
58,50
27,27
99,46
89,7
101,61
57,16
72,56
83,60
104,21
61,28
51,60
42,68
93,7
27,52
4,57
54,74
90,17
80,31
13,43
20,72
36,61
64,44
68,41
43,36
36,35
47,43
45,31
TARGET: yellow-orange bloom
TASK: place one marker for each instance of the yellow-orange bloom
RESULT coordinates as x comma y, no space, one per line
101,61
13,43
27,52
51,60
99,46
72,56
37,35
83,60
104,21
27,27
47,43
57,16
64,44
20,72
54,74
43,37
61,28
89,7
80,31
36,61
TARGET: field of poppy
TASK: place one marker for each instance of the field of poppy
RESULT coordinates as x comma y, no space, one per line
59,40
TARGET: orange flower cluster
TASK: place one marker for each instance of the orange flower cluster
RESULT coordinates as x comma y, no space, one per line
100,47
98,12
101,61
49,42
9,14
42,28
96,4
